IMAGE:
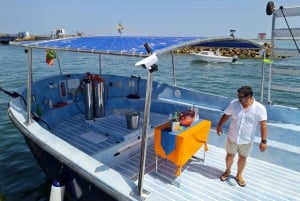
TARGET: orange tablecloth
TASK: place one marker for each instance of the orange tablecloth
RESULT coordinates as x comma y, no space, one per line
188,142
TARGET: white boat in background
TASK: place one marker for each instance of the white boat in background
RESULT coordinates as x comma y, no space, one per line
215,57
83,131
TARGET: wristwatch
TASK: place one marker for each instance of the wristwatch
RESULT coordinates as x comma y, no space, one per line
264,141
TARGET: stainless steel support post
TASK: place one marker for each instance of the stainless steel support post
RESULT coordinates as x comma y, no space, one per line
144,133
29,85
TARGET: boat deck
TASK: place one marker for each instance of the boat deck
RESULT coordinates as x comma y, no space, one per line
93,137
199,180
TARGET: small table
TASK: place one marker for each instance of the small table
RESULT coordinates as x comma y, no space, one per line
185,143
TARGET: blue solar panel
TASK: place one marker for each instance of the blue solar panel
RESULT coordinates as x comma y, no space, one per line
121,45
230,43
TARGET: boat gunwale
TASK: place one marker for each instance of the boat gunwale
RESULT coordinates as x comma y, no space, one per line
41,141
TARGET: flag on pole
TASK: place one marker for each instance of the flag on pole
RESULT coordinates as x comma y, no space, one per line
268,61
50,56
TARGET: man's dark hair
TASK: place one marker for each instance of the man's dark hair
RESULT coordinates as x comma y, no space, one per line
246,90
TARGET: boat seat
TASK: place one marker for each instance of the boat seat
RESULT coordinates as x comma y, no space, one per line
284,133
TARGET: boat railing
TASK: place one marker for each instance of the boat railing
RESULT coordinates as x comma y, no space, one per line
287,33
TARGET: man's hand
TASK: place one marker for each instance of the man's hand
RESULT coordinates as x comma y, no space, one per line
223,119
219,130
263,147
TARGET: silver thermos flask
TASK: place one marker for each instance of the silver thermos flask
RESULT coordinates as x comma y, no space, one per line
88,100
99,99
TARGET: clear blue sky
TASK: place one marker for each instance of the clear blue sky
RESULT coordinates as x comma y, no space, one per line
208,18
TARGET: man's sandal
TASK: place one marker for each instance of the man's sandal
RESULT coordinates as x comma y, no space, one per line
224,177
240,182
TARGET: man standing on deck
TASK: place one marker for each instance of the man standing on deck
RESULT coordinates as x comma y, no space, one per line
246,114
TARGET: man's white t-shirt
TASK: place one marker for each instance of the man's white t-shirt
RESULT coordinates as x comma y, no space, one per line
244,121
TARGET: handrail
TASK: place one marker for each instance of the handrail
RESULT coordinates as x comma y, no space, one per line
283,33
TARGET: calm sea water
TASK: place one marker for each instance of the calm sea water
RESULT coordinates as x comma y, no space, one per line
20,176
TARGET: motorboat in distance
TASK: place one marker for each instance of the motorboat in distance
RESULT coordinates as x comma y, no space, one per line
215,57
